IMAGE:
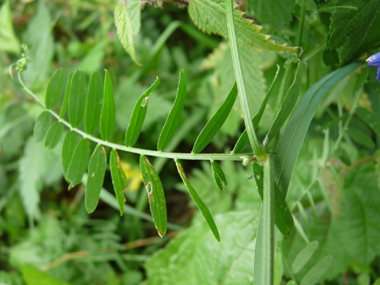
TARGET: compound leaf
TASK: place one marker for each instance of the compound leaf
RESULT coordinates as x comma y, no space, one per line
107,119
66,98
93,103
54,89
317,271
218,174
53,135
304,256
78,163
68,147
77,99
119,180
42,126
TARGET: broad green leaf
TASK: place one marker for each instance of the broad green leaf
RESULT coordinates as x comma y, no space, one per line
283,217
156,195
94,103
53,135
54,89
138,116
210,17
174,117
205,212
287,105
216,122
219,177
95,178
34,276
243,139
119,180
42,126
69,144
361,138
370,119
77,99
66,98
317,271
304,256
107,119
355,32
78,163
125,29
8,39
298,124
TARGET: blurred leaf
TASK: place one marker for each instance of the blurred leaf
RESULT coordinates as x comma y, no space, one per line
361,138
138,116
119,180
135,15
219,177
205,211
78,163
156,195
34,276
96,171
94,103
53,135
216,122
8,39
77,99
68,147
42,126
107,119
66,98
317,271
304,256
54,89
377,281
174,117
369,118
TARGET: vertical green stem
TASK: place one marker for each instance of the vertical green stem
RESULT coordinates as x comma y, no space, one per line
300,27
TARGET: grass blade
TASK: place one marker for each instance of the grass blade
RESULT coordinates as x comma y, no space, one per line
53,135
304,256
54,89
218,174
66,98
107,119
175,114
205,211
317,271
78,163
216,122
77,99
156,195
119,180
42,126
93,103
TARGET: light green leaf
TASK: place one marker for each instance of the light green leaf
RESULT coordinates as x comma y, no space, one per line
53,135
156,195
42,126
69,144
291,282
304,256
210,17
119,180
54,89
205,212
34,276
174,117
78,163
95,178
138,116
66,98
377,281
77,99
317,271
93,103
8,39
361,138
134,10
219,177
370,119
216,122
107,119
125,29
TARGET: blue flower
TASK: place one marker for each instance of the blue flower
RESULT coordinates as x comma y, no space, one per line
374,60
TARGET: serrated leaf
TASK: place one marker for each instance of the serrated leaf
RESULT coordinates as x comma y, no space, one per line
93,103
210,17
219,177
8,39
107,119
42,126
53,135
369,118
298,124
54,89
125,29
119,180
304,256
78,163
95,178
361,138
156,195
138,116
66,98
77,99
355,32
317,271
205,212
174,117
216,122
68,147
135,14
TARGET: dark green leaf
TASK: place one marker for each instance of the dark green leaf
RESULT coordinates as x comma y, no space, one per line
42,126
138,116
54,89
205,212
369,118
333,123
53,135
156,195
219,177
34,276
93,103
304,256
317,271
95,178
68,147
78,163
77,99
298,124
216,122
175,114
66,98
107,119
342,154
119,180
361,138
